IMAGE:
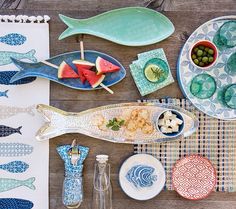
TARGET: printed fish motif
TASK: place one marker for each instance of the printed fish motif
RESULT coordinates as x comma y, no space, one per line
15,166
4,93
6,76
7,131
5,56
131,26
9,111
15,149
14,203
13,39
7,184
141,176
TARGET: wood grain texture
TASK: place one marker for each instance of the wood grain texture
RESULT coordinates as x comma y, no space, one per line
186,17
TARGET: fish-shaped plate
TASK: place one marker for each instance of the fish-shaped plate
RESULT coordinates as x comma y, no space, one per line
44,71
14,203
94,122
131,26
186,71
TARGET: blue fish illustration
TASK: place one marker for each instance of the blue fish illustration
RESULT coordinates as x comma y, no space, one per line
15,149
7,131
5,56
14,203
15,166
4,93
141,176
6,76
7,184
13,39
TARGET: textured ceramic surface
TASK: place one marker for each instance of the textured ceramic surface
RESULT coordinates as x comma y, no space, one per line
131,26
41,70
147,177
212,106
94,122
194,177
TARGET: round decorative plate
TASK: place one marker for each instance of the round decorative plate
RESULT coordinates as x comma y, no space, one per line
142,177
186,71
194,177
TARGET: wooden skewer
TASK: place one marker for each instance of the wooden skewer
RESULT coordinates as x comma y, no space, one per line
49,64
82,57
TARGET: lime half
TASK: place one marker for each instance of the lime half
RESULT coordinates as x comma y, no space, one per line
153,73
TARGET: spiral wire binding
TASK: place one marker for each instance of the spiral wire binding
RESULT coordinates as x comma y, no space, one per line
24,19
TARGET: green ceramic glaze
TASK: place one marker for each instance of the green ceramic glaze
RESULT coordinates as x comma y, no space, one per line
231,65
131,26
230,96
203,86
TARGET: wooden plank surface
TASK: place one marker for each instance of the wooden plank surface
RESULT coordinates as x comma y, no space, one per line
186,16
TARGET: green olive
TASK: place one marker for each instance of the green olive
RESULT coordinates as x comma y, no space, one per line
199,53
211,59
211,51
196,61
201,64
205,59
204,53
199,58
201,47
195,49
206,49
194,56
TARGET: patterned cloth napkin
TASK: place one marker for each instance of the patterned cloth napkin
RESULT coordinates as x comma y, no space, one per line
144,86
215,140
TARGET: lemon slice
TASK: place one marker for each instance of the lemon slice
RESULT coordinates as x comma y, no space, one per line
153,73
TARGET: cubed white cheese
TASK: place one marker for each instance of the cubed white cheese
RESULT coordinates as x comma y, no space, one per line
161,122
168,123
178,121
167,115
164,129
175,128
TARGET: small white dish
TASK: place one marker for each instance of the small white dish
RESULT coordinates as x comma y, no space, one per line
151,188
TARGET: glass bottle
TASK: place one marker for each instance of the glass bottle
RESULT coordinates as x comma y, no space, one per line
102,190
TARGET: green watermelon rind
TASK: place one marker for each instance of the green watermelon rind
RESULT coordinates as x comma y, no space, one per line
97,64
61,71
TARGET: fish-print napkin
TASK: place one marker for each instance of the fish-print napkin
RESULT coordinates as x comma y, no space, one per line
137,71
27,39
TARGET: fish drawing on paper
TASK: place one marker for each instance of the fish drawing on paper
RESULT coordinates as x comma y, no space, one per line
15,149
4,93
7,131
13,39
5,78
5,56
141,176
15,203
9,111
7,184
15,166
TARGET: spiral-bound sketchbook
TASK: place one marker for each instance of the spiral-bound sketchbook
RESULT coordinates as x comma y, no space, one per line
23,160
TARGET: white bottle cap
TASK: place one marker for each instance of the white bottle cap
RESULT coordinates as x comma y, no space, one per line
102,158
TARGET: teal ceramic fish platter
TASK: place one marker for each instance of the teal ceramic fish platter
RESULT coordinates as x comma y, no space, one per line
131,26
218,78
31,70
94,123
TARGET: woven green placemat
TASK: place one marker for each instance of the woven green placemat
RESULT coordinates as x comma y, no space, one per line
215,140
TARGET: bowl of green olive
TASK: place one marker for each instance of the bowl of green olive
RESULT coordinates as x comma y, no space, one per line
203,54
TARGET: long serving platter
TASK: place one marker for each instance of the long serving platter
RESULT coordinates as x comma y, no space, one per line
44,71
186,71
130,26
93,122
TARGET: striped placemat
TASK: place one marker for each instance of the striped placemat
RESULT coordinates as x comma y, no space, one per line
215,139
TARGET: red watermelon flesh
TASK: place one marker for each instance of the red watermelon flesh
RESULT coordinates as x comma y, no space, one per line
82,64
104,66
93,79
66,71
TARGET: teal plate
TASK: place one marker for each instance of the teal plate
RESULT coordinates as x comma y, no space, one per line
44,71
131,26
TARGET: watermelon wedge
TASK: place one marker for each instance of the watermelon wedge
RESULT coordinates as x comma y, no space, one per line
82,64
93,79
104,66
66,71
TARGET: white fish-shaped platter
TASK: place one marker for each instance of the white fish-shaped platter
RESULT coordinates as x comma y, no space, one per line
15,149
134,122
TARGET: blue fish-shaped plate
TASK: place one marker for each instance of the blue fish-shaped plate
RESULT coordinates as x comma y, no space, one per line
44,71
13,203
131,26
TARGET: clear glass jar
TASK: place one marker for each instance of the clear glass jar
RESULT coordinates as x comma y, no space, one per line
102,189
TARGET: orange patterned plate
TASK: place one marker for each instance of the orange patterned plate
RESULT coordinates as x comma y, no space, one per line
194,177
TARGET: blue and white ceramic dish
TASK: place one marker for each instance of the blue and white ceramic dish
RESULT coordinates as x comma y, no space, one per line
186,71
41,70
142,177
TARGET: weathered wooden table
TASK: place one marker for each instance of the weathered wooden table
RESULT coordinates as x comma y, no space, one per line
186,16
